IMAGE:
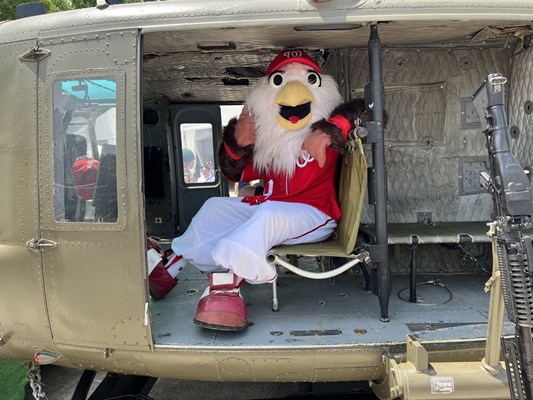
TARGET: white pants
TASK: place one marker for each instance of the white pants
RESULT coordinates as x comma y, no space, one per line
227,234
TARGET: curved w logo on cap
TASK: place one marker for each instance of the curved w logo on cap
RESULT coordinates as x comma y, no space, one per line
292,56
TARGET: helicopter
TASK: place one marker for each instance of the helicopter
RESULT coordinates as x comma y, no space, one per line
141,92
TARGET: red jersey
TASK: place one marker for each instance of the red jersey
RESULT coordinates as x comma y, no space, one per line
309,184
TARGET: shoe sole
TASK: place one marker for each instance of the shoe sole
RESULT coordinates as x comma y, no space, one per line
220,327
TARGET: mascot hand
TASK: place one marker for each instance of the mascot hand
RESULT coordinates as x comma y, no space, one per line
316,144
245,129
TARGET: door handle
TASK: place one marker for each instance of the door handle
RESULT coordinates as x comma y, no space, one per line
41,244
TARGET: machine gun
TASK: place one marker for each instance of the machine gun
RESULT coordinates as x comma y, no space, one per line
512,213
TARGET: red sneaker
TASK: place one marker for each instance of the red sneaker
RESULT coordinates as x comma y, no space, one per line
160,281
222,306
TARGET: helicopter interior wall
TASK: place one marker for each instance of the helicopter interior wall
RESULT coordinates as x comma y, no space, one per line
520,110
433,150
159,205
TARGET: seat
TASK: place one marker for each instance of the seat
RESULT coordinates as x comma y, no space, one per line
105,193
351,194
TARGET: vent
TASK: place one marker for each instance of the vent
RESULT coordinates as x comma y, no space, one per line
235,82
470,169
317,332
245,72
223,45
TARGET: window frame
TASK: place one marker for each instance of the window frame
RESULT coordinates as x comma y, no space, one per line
47,150
198,166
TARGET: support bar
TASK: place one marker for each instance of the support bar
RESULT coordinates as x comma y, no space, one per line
374,98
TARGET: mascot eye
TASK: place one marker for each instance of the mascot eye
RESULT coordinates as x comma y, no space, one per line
276,79
314,79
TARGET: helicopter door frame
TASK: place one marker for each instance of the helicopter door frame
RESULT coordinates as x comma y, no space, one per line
95,275
196,135
24,311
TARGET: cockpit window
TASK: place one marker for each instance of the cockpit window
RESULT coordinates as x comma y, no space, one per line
85,132
198,154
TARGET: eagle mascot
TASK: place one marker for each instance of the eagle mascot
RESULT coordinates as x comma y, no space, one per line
289,135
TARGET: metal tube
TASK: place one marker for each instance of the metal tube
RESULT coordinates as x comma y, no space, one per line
453,380
275,302
491,361
320,275
412,273
378,157
417,379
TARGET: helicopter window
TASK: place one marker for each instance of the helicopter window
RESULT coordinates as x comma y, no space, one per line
198,154
84,126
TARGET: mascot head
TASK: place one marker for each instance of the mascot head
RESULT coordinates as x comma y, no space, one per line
291,96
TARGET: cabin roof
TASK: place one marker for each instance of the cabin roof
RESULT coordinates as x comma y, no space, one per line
216,49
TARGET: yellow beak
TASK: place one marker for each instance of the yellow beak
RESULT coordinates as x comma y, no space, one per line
294,100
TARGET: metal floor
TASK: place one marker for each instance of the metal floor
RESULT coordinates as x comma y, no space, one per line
337,312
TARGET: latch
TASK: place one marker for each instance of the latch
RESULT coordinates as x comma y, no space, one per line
34,55
41,244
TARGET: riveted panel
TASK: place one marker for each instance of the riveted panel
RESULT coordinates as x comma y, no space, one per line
521,93
23,314
95,276
423,152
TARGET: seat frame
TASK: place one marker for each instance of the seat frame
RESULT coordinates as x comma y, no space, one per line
351,194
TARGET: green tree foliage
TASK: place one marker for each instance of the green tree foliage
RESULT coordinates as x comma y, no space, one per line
83,3
56,5
7,7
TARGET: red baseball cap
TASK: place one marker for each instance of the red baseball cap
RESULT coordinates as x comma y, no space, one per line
84,172
292,56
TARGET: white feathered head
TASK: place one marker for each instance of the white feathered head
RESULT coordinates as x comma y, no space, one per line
285,103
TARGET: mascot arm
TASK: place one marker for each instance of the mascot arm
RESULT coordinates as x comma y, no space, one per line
231,157
342,120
